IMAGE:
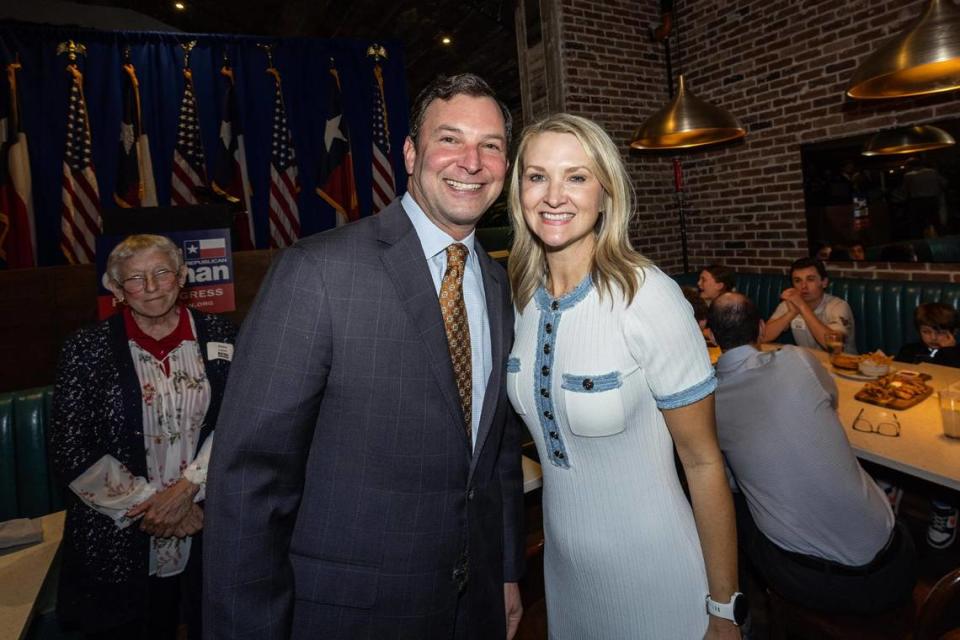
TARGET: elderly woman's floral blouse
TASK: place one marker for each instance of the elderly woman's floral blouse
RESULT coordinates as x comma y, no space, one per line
176,394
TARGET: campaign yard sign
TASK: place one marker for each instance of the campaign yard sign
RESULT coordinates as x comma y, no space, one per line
209,261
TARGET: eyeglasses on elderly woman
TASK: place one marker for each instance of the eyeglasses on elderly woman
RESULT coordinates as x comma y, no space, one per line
138,282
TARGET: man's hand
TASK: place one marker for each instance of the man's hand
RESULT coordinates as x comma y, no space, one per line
793,296
164,510
720,629
513,607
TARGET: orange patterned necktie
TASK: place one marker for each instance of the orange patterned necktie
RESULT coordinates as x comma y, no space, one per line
458,329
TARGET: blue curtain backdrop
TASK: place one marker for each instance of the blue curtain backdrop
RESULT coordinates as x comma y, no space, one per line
158,58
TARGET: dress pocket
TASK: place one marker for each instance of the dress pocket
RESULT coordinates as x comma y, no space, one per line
594,404
513,386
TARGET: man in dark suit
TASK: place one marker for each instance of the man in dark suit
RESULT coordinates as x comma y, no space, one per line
364,485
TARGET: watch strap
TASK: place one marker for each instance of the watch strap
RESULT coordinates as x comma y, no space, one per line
723,610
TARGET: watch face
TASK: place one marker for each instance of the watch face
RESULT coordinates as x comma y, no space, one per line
740,609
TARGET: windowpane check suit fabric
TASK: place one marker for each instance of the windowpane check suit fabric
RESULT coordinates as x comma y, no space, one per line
457,327
342,495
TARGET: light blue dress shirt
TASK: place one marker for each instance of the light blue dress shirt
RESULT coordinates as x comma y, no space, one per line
434,242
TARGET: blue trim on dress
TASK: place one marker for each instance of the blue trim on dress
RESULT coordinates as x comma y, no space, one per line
513,365
689,395
566,301
551,311
592,384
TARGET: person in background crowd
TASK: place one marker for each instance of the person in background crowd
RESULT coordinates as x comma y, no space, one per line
937,325
367,479
700,308
811,313
134,407
609,371
809,518
714,280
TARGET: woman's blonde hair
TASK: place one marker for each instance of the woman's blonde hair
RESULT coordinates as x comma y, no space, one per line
615,262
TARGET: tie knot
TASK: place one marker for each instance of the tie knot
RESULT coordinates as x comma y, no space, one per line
457,254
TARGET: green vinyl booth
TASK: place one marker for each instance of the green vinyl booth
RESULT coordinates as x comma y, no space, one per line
882,309
27,485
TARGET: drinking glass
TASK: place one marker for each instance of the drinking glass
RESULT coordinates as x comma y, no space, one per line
834,340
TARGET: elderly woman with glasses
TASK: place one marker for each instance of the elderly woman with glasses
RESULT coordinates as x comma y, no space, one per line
135,404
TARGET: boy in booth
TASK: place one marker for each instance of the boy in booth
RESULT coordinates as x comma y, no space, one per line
937,325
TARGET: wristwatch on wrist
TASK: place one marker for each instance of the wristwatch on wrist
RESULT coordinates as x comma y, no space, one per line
735,610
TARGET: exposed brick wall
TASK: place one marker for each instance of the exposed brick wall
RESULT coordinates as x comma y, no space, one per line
781,68
613,74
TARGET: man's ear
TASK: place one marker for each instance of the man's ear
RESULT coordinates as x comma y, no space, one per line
409,154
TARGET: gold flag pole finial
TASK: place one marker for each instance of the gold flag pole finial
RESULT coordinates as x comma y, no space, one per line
187,50
72,49
377,52
267,49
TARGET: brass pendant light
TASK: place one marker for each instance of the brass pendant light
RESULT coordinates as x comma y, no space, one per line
923,59
907,140
687,122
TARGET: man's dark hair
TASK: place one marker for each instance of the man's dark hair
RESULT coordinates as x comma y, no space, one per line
446,88
724,275
692,294
809,261
936,315
734,321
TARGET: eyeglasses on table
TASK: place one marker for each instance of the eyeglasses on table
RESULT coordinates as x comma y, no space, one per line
885,428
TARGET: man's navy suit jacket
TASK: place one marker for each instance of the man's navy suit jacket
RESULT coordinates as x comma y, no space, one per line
343,499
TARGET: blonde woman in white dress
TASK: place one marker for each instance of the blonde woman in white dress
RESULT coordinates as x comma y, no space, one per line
609,371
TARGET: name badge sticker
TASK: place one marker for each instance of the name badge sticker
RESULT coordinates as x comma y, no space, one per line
219,351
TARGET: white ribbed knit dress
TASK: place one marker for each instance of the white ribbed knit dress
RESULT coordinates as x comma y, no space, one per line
622,556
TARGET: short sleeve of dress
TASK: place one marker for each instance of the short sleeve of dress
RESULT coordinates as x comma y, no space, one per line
664,338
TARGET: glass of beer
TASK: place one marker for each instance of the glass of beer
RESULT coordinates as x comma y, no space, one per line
834,340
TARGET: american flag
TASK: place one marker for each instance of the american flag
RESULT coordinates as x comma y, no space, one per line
80,214
284,185
189,164
135,186
18,239
384,186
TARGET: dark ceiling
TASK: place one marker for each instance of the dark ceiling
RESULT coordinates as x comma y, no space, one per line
482,31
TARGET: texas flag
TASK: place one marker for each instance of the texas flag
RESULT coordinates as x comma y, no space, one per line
204,249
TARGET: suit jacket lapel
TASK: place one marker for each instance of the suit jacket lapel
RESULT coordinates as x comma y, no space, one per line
405,263
493,291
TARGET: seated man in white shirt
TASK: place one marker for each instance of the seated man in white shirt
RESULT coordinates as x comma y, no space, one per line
811,313
809,518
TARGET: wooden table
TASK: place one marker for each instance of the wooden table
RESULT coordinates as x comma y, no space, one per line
22,574
532,474
921,450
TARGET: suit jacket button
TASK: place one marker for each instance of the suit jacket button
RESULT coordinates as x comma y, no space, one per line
470,494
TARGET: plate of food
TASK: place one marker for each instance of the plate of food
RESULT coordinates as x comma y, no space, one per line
895,391
869,366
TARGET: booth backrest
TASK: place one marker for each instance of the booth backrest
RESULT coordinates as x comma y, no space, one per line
882,309
27,486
